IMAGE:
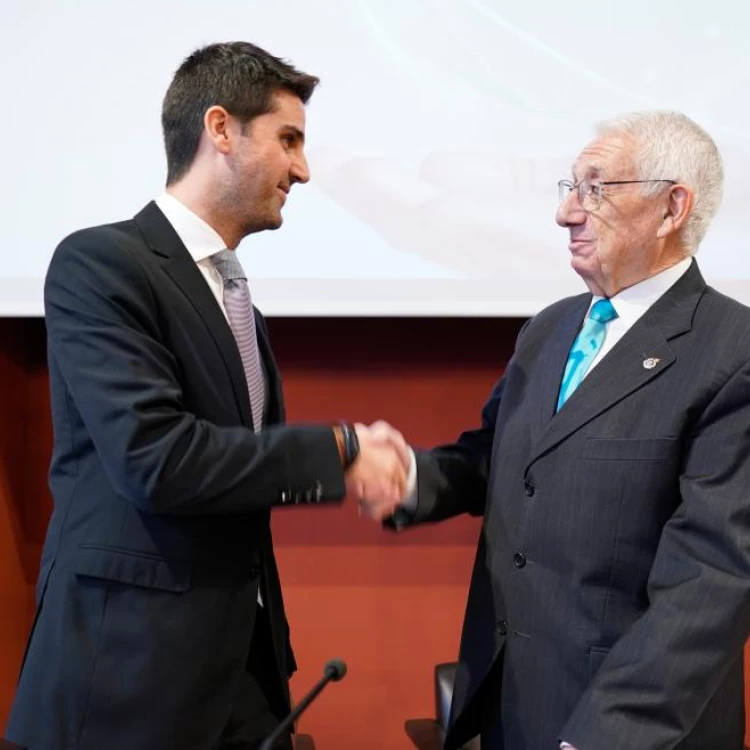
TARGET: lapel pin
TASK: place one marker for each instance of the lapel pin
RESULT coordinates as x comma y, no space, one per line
650,363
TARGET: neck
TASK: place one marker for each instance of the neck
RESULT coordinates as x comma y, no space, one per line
193,193
615,283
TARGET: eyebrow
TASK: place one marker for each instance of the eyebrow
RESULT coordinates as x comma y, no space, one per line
592,170
294,130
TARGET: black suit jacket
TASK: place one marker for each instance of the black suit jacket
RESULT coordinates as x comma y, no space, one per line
160,534
611,589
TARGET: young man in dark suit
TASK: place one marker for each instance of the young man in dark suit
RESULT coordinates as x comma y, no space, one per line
161,622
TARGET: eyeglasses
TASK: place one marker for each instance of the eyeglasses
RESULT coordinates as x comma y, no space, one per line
590,191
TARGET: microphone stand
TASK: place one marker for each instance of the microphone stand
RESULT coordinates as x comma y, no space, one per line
333,671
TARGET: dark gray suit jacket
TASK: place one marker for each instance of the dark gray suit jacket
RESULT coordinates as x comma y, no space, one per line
611,588
160,535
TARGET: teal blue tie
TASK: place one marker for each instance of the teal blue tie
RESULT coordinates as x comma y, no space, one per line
585,348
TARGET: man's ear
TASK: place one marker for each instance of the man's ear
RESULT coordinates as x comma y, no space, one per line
678,208
216,128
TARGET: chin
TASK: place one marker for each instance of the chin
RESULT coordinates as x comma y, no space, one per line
579,265
262,225
583,267
275,220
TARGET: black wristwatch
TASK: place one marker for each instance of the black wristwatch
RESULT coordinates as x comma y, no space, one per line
351,443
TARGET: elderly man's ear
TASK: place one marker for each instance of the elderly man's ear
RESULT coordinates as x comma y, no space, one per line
679,205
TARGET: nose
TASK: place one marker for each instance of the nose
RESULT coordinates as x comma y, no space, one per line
570,212
299,171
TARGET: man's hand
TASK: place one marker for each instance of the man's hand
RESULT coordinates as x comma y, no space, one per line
382,432
377,479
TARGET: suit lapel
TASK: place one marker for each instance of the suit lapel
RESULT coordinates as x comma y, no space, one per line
552,361
642,354
275,397
182,269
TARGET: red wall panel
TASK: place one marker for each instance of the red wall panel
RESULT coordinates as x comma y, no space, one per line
391,605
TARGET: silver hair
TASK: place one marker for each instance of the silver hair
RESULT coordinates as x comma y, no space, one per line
669,145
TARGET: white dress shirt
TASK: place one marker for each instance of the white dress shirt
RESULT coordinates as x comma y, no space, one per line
631,304
202,241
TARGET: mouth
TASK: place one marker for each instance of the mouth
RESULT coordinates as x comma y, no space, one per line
578,243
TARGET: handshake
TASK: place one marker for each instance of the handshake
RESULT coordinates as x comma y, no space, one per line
378,478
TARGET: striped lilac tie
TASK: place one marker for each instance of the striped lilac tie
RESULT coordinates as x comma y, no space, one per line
239,308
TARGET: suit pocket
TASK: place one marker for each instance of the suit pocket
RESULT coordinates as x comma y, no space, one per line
134,568
615,449
597,655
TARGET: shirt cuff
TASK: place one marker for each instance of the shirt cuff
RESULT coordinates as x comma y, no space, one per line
409,502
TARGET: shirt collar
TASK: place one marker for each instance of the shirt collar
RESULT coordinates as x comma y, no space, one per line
201,240
631,303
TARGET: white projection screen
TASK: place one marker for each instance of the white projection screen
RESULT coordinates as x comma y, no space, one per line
435,140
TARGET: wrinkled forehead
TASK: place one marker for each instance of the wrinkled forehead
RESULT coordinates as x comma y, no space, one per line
607,157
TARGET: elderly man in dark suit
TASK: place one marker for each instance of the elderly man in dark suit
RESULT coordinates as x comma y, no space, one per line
160,621
610,598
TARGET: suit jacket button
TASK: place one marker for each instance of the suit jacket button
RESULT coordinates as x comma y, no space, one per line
502,627
519,560
530,489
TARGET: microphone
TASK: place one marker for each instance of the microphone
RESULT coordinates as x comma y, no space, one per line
333,671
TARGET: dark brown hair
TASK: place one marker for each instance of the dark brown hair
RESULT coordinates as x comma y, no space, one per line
238,76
